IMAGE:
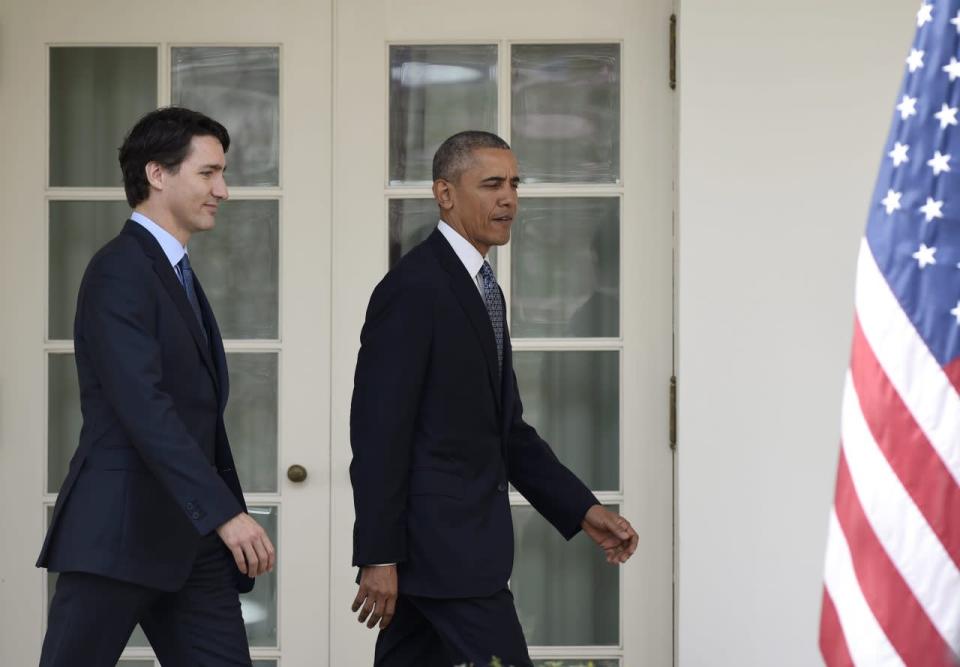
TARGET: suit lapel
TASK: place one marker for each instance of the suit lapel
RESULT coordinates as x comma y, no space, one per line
170,282
472,303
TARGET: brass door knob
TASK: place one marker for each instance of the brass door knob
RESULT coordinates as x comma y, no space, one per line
296,473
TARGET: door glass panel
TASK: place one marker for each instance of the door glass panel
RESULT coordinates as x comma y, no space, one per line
238,266
96,95
237,263
264,663
565,264
573,400
565,113
412,221
251,419
240,88
63,417
77,230
260,605
437,91
566,593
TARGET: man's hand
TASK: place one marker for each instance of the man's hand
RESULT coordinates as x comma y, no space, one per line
612,532
377,594
249,544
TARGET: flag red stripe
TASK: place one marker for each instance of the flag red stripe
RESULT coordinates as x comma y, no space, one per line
916,463
903,620
952,371
833,645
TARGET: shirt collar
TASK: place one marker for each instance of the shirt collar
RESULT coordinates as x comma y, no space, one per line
470,257
168,242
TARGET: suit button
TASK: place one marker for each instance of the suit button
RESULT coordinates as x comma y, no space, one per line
189,506
196,515
502,486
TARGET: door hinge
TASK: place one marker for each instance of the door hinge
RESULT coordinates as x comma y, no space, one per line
673,52
673,412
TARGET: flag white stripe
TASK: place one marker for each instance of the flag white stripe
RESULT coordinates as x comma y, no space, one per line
866,641
914,548
912,370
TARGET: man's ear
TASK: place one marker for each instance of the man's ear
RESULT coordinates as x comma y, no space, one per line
155,173
443,193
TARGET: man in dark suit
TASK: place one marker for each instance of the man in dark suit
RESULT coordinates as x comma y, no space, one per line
150,525
437,433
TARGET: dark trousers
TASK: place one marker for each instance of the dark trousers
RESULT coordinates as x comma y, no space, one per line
92,617
431,632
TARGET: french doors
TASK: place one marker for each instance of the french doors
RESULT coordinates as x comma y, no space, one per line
335,109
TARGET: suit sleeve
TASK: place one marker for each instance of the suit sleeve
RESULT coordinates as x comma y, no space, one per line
538,475
118,323
391,368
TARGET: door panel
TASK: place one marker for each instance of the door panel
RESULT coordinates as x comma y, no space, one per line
74,79
582,96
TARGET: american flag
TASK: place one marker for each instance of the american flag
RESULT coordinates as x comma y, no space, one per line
892,576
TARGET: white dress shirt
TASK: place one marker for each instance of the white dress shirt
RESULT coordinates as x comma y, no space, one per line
470,256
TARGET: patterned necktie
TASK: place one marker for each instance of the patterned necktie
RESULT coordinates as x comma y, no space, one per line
491,299
186,278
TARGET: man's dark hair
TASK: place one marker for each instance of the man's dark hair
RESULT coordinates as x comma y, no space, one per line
453,156
163,136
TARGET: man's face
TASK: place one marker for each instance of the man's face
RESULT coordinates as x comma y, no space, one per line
482,203
193,193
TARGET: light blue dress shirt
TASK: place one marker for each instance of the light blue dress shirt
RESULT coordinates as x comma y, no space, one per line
168,242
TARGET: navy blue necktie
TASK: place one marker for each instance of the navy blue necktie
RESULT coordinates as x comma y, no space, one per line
186,277
491,299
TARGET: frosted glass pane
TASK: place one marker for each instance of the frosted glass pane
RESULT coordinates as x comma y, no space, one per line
264,663
566,268
572,398
435,92
238,265
260,605
63,417
565,115
412,221
577,662
240,88
96,95
251,419
77,230
566,593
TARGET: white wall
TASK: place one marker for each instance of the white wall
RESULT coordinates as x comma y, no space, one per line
784,109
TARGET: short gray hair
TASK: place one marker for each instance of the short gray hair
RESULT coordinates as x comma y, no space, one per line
453,156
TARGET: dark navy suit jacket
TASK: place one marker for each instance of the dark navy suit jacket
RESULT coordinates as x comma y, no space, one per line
140,492
437,435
